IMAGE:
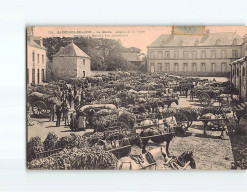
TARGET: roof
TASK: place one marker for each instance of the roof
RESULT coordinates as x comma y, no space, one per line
241,60
32,43
133,57
71,50
209,39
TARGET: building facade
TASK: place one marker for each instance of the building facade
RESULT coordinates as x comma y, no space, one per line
36,60
238,73
200,55
70,62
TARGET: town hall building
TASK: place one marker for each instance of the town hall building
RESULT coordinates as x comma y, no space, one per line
200,55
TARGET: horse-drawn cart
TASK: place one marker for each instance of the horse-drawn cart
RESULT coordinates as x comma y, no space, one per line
41,103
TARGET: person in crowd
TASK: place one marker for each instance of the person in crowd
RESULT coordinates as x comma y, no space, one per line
90,117
186,92
83,99
75,91
52,111
66,115
73,120
192,94
76,102
29,120
58,113
81,121
69,90
70,98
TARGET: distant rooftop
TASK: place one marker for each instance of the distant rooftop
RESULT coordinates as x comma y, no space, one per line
209,39
133,57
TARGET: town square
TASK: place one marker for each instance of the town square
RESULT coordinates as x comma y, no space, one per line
177,102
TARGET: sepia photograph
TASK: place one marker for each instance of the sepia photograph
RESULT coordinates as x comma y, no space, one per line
136,97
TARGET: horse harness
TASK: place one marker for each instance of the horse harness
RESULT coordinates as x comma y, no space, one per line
140,160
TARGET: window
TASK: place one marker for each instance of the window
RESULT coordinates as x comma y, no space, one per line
185,67
213,54
152,67
176,55
83,61
167,54
243,72
152,55
38,76
194,55
203,54
194,67
43,75
33,76
167,67
176,67
159,54
203,67
33,56
185,55
159,66
223,54
38,58
213,67
223,67
43,60
235,53
237,72
84,74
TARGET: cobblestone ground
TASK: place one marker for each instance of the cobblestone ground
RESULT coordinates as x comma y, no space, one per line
210,152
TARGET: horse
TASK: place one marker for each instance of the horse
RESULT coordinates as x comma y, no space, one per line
182,162
144,161
146,136
170,101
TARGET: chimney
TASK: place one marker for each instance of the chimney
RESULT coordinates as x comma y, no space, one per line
41,42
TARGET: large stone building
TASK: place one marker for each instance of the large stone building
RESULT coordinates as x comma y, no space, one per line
70,62
238,73
36,59
200,55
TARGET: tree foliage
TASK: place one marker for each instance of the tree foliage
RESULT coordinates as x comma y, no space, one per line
105,54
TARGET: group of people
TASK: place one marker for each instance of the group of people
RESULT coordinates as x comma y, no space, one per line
72,98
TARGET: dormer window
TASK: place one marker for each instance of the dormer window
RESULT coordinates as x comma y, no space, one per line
197,42
218,42
235,42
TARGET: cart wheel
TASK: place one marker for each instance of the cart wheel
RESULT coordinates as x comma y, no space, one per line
121,152
182,121
205,99
39,108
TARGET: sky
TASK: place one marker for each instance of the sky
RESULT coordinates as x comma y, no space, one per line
130,36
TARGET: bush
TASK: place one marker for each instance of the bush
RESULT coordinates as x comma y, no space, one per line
34,146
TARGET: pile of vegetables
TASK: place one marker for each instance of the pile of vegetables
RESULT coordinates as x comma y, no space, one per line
34,146
50,142
52,90
76,159
127,118
100,124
